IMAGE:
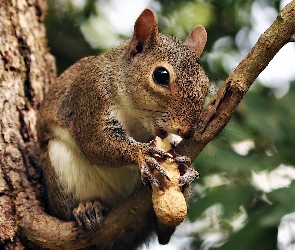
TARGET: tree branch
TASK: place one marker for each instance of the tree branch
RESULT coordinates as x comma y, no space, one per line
48,232
222,106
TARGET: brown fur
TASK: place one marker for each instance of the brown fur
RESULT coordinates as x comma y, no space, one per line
101,112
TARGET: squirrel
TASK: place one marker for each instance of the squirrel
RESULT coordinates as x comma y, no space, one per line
104,109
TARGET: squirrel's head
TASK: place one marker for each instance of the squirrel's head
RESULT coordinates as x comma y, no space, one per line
170,85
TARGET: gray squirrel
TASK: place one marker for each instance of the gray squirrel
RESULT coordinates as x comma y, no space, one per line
103,110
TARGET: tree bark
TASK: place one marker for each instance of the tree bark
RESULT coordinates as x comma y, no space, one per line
27,69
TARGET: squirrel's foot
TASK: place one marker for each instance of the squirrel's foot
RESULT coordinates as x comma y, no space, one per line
148,162
89,215
187,172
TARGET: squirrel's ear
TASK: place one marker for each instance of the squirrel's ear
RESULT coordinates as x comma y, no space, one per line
146,26
197,39
145,29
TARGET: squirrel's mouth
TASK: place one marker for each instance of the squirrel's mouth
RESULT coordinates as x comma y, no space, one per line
159,131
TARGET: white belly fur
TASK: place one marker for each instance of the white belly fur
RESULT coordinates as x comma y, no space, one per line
88,181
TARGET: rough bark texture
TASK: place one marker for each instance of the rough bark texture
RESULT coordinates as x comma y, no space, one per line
26,70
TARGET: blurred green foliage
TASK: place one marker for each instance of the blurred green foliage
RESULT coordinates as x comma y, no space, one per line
269,122
262,124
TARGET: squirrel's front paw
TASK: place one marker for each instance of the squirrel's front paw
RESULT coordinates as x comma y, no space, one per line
187,172
148,162
89,215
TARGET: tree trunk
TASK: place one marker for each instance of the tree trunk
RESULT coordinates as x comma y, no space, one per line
27,69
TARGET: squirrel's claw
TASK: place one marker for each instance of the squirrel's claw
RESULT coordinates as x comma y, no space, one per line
148,162
147,175
189,174
183,160
153,164
89,215
155,152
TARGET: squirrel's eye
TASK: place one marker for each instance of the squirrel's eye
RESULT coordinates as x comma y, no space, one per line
161,76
